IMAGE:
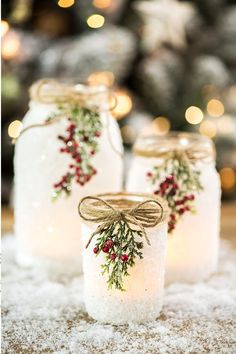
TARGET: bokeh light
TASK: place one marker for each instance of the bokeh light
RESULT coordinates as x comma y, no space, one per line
193,115
208,128
101,77
95,21
11,46
161,125
215,108
228,178
66,3
124,104
102,4
225,125
4,28
14,129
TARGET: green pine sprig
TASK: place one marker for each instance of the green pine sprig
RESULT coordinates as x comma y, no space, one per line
119,242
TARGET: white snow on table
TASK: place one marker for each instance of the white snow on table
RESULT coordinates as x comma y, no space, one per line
43,312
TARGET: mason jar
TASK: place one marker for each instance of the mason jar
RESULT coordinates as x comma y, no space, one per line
49,232
193,239
139,297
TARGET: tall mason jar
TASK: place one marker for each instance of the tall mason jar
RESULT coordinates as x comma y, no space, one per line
140,297
193,243
49,232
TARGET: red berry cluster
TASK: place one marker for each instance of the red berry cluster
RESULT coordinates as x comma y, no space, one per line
81,148
109,248
177,200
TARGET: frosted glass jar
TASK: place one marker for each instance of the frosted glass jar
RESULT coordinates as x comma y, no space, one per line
192,248
46,231
143,296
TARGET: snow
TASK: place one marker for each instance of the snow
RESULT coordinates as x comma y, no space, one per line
44,313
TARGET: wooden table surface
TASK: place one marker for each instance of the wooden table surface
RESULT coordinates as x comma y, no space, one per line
228,221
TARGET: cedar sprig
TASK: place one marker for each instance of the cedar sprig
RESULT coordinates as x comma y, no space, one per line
119,242
80,141
177,180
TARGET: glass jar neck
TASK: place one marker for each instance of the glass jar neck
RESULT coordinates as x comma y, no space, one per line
195,146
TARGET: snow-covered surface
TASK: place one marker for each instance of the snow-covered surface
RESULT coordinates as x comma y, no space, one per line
44,313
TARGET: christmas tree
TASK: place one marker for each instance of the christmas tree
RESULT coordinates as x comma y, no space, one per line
172,65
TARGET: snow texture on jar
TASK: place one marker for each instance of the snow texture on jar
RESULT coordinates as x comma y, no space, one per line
192,247
50,232
142,299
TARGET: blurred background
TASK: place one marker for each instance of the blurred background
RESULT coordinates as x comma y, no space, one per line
172,65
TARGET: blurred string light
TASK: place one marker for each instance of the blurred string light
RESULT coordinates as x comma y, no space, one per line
11,46
161,125
208,128
193,115
95,21
4,28
21,10
128,134
228,178
215,108
65,3
101,77
225,125
102,4
14,129
123,104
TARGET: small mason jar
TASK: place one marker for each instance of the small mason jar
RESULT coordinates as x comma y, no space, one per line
49,232
141,296
192,247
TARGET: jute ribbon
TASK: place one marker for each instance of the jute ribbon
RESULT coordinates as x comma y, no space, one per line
146,214
50,91
190,154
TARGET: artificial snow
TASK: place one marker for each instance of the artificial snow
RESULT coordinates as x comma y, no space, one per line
44,313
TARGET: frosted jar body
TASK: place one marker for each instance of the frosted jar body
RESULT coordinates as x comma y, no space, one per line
47,230
143,298
192,248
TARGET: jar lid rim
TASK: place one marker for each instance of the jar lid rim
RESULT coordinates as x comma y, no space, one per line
154,145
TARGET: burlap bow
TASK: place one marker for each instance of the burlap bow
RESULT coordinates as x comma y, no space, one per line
146,214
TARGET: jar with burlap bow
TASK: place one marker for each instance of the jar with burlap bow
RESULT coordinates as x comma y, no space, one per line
180,167
124,237
66,149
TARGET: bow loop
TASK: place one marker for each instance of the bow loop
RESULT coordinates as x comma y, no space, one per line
145,214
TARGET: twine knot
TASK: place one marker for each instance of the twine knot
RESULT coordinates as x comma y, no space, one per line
146,214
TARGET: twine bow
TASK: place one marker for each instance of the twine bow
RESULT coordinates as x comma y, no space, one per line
50,91
141,215
192,153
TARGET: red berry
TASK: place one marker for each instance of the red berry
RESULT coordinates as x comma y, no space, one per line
109,243
181,211
97,134
94,171
113,256
124,257
175,186
93,152
95,250
170,179
191,197
71,166
55,185
156,192
78,159
62,150
172,217
187,208
149,174
179,202
105,249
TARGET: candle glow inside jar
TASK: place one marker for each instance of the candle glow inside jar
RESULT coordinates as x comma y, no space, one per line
181,168
141,296
47,164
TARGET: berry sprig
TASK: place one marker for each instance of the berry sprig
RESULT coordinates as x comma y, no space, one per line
118,242
177,181
81,144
